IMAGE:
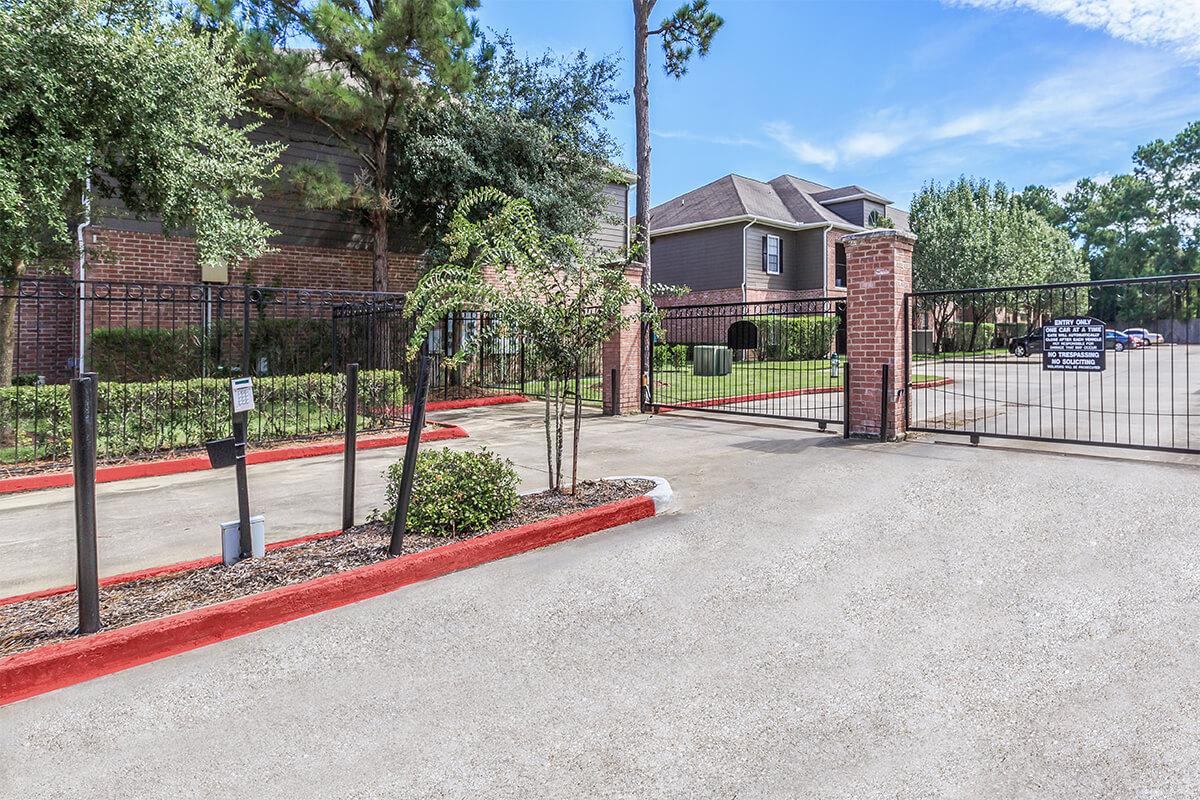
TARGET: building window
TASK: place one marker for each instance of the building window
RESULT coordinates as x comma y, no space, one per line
839,266
772,254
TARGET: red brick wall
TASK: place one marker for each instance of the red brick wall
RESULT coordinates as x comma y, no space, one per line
622,352
133,256
878,274
46,326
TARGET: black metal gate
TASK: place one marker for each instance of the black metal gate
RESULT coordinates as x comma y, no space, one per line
1026,362
772,359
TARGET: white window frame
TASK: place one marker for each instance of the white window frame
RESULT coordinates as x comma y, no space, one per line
778,254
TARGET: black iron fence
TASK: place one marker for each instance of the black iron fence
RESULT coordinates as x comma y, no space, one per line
1026,362
500,363
777,359
163,355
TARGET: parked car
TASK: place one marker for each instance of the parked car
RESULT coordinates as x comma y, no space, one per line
1022,346
1115,340
1031,342
1148,336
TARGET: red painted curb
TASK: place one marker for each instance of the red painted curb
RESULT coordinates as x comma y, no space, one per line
173,466
55,666
932,384
475,402
154,572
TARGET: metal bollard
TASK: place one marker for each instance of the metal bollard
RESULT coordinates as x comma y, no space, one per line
83,459
350,448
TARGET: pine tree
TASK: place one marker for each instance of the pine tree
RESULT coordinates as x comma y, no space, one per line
372,60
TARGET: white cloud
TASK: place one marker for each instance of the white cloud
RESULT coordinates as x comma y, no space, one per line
803,150
1107,93
1064,188
728,141
1174,24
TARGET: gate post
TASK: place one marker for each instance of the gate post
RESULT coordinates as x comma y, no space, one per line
622,356
878,275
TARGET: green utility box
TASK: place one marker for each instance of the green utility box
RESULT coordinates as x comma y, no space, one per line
712,360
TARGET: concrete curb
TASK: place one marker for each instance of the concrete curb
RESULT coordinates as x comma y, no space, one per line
175,466
56,666
662,494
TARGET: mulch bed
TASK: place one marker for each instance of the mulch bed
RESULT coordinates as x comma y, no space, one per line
33,623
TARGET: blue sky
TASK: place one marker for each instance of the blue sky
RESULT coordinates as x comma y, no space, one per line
891,94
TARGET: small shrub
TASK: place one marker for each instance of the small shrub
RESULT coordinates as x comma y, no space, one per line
454,492
670,356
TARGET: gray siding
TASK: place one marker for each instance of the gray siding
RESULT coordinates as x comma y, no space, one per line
707,258
610,234
802,259
851,212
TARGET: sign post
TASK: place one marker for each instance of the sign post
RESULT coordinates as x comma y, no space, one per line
416,424
1073,344
241,398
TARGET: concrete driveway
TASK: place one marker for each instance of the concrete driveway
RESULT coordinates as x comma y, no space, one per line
821,620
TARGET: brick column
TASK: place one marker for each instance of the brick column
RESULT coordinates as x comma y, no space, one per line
622,352
878,274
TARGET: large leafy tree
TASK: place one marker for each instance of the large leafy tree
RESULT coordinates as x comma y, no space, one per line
104,99
373,60
971,233
1139,224
687,32
546,291
530,127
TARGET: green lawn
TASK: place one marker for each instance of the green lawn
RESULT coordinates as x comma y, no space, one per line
993,351
679,385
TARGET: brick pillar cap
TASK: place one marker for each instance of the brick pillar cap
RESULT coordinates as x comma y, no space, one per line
879,233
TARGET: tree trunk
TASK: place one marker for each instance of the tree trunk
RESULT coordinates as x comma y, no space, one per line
560,411
8,323
382,357
549,435
641,106
575,439
641,109
379,217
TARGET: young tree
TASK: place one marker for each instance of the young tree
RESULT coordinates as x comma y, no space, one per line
373,61
531,127
689,30
561,302
119,100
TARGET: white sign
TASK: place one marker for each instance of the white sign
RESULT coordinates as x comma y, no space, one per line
1073,344
243,395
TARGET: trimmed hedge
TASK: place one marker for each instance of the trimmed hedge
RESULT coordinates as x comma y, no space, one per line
295,345
670,356
139,418
958,337
795,338
454,492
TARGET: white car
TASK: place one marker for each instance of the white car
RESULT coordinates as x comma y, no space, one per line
1142,333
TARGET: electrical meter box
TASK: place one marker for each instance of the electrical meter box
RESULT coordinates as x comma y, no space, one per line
214,274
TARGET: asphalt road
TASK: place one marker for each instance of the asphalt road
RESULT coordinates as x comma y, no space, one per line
823,619
1148,396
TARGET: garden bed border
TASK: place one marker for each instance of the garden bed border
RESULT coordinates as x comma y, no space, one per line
55,666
